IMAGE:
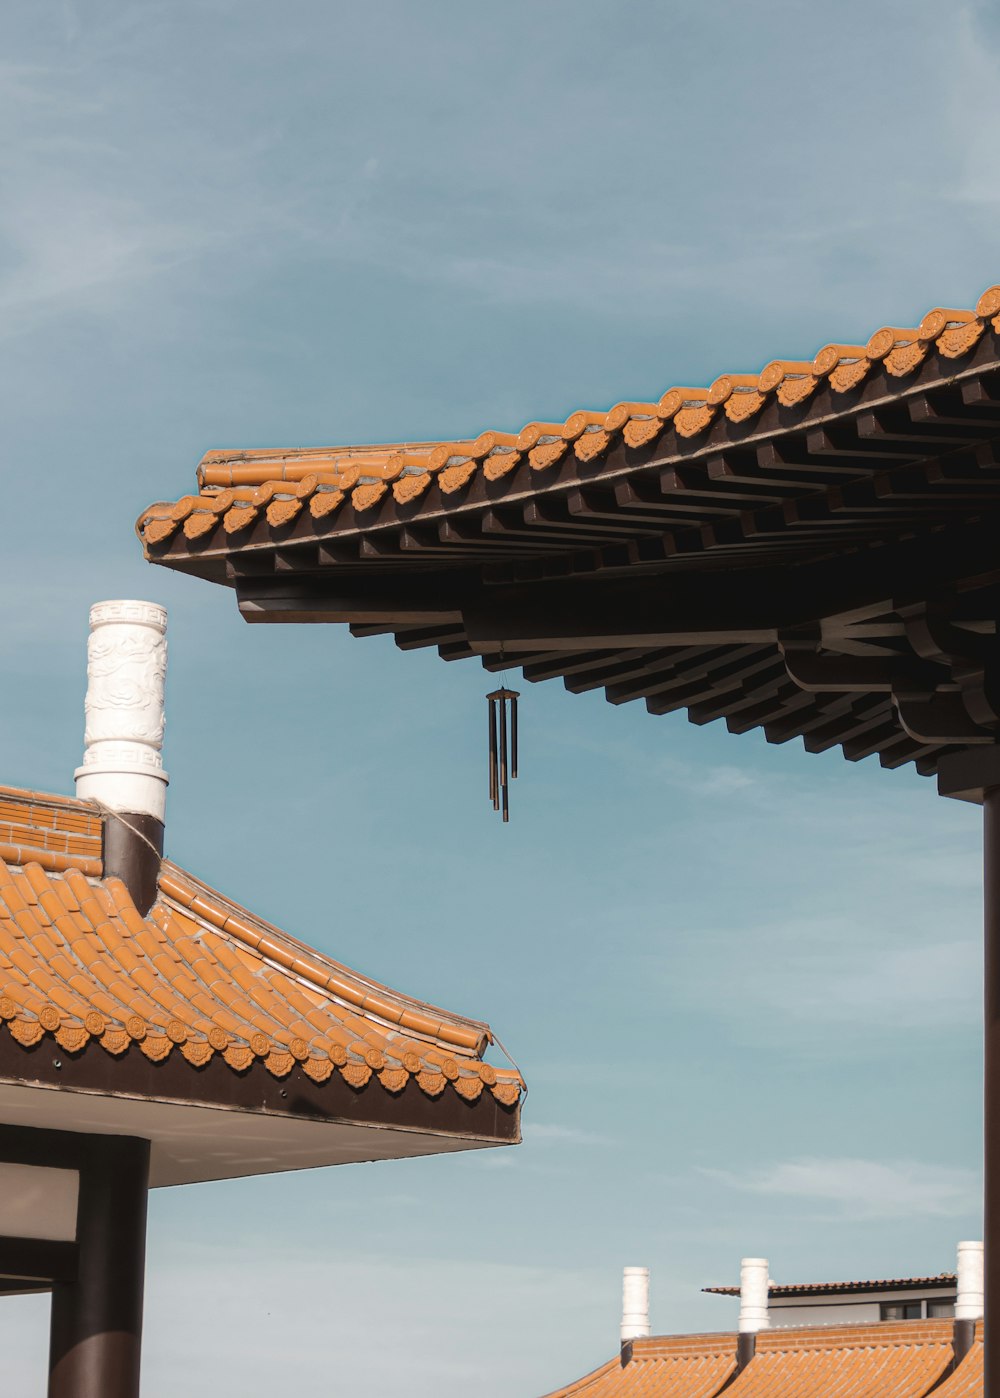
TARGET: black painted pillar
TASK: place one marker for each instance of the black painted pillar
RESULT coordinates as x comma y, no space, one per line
991,1104
96,1328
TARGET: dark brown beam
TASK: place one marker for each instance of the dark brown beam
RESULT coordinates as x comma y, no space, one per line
768,683
370,600
558,666
419,637
942,719
983,394
641,665
945,409
862,717
37,1259
793,708
843,439
895,425
822,674
714,607
771,466
897,752
754,669
676,504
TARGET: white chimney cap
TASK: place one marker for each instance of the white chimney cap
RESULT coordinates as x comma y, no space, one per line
126,667
753,1295
969,1301
635,1304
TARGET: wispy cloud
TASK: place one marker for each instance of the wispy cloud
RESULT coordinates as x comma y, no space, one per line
305,1321
856,1189
546,1133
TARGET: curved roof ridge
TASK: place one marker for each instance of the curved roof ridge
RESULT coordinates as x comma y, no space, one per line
195,896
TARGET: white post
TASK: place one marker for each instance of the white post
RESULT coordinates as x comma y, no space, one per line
126,666
635,1304
969,1302
753,1295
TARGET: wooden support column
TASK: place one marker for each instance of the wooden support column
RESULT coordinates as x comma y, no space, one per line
991,1104
96,1326
974,775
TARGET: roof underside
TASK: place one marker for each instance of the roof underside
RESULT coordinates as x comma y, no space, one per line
810,550
199,1011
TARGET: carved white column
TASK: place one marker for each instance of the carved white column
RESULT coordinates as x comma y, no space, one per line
126,666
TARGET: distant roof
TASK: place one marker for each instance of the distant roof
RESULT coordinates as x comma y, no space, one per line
204,1002
908,1359
669,1366
847,1287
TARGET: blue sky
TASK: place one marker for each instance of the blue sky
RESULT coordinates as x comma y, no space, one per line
742,982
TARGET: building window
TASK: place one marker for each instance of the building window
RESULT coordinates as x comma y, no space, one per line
943,1308
901,1310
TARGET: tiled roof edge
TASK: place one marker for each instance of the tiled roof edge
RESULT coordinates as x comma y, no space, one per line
235,487
118,1034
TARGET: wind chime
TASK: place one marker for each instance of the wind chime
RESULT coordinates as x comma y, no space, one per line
503,753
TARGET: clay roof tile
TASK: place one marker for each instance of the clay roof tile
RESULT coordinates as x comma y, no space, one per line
398,475
200,976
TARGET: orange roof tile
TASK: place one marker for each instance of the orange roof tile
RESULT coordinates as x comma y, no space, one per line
967,1380
237,488
199,976
901,1360
672,1366
49,828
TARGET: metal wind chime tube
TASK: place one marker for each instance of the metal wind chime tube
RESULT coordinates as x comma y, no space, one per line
503,746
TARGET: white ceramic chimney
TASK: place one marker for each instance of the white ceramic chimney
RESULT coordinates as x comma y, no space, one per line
754,1315
753,1295
122,768
969,1302
635,1304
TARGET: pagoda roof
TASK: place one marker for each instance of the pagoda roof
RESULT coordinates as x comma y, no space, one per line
907,1359
808,549
202,1003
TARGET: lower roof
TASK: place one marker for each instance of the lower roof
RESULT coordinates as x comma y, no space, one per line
202,1006
906,1359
